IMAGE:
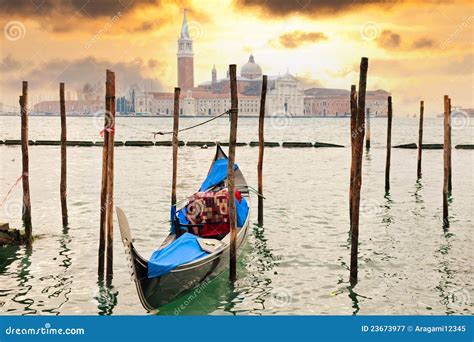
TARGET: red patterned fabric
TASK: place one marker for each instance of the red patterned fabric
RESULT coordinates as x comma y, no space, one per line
211,210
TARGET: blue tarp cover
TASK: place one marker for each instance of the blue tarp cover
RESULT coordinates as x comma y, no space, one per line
181,251
242,210
217,174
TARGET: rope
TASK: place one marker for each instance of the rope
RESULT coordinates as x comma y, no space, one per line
197,125
181,130
11,189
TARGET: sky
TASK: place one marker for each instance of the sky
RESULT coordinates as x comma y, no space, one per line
417,50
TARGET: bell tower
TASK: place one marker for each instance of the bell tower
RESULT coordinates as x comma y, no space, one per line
185,57
214,75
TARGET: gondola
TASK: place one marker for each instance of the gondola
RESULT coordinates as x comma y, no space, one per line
158,291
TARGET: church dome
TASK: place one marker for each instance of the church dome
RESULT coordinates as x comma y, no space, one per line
251,69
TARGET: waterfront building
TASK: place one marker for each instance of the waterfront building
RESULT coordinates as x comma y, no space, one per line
74,107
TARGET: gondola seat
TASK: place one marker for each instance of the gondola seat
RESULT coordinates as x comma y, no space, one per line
206,214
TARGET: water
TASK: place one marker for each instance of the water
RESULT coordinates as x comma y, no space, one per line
296,264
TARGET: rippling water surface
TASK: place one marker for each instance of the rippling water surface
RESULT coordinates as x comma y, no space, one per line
296,264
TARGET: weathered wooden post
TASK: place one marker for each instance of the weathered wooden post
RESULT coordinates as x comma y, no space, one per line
450,171
103,198
389,145
25,163
367,129
261,143
353,102
175,156
357,166
103,190
63,184
446,162
110,100
420,138
230,171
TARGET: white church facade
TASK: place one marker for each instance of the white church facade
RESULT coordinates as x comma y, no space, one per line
213,97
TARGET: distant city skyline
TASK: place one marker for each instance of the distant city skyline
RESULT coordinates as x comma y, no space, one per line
415,57
285,93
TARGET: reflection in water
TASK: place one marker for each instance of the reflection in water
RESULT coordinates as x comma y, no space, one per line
368,157
355,301
387,217
58,292
420,207
8,254
106,296
261,261
451,217
446,284
23,276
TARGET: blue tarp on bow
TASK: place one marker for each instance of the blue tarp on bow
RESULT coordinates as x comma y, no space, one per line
217,174
184,249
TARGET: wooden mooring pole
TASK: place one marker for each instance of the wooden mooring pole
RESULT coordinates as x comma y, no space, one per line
446,162
230,171
175,156
356,165
25,163
389,145
63,184
353,102
106,195
261,143
110,110
367,129
450,170
420,139
103,199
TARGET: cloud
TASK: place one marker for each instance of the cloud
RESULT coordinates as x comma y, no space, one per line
83,8
389,40
9,63
75,73
294,39
152,63
423,43
393,68
145,26
309,7
307,81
